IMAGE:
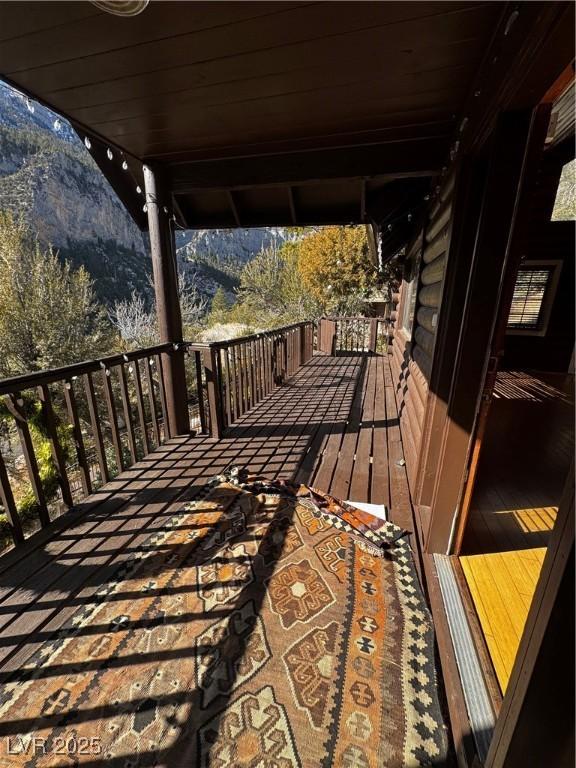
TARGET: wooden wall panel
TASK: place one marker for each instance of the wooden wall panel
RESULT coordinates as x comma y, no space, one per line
412,354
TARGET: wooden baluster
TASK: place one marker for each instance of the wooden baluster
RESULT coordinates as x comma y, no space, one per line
245,377
152,400
253,398
200,391
214,405
96,429
127,413
232,383
241,361
223,385
373,335
7,498
140,406
276,362
111,407
254,372
266,343
237,390
57,452
74,419
261,343
297,345
246,368
226,381
15,405
162,391
257,369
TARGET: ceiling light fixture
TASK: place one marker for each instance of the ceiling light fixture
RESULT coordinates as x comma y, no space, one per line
121,7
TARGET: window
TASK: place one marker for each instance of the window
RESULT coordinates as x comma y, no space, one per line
409,305
565,203
533,297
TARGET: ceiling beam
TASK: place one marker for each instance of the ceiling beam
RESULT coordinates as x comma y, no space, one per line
122,181
405,159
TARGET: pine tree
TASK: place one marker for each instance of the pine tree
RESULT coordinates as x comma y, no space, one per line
219,307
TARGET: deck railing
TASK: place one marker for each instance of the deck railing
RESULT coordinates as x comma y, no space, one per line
79,426
249,368
350,334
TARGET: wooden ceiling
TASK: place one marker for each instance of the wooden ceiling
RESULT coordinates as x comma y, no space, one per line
264,113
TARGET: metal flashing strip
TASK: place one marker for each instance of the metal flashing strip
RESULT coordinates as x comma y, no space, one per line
480,712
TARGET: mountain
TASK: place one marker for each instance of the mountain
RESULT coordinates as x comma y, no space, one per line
230,246
48,177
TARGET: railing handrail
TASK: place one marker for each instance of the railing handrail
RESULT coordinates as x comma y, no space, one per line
250,337
63,373
51,375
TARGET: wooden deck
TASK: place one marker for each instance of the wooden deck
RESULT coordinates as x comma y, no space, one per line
334,425
524,464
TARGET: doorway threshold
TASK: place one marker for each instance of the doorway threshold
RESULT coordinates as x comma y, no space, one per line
476,695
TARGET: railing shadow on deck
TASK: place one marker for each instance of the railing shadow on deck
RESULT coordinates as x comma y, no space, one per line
103,417
191,698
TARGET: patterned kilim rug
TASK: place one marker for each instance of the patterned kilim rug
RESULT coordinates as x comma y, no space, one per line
269,626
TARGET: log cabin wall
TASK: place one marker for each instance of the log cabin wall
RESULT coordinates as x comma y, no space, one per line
415,326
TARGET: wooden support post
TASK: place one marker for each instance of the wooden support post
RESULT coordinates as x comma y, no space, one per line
167,303
212,386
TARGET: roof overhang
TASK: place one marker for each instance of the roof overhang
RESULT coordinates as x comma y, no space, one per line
266,113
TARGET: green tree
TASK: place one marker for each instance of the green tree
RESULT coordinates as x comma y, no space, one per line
336,268
48,312
271,291
219,307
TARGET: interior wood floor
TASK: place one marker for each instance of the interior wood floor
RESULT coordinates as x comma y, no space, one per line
334,425
524,463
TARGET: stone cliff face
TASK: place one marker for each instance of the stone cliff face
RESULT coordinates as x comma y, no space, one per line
230,245
48,177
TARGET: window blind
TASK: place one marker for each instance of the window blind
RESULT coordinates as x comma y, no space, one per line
528,299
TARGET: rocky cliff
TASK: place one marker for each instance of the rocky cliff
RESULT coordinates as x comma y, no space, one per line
48,177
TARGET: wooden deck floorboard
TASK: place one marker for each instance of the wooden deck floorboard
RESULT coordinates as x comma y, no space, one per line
297,431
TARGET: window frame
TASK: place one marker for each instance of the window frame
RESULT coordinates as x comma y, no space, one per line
548,300
410,286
